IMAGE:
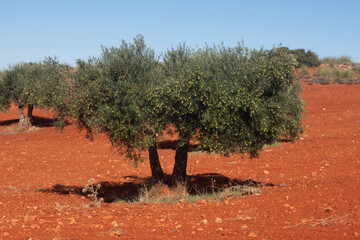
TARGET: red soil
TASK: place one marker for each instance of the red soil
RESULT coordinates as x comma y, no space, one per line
315,194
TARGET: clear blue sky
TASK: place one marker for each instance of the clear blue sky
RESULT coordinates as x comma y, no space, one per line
33,29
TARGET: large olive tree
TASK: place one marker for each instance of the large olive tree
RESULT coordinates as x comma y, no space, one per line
229,100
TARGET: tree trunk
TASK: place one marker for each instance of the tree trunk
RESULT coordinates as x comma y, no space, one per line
24,122
157,174
181,157
21,113
30,111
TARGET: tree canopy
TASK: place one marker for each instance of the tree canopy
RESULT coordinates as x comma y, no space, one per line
228,100
31,84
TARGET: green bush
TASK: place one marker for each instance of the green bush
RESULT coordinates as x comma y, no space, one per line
306,58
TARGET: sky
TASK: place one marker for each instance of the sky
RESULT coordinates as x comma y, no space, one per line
76,29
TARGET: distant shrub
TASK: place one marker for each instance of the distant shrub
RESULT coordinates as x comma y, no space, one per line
326,72
346,60
307,58
304,72
347,73
356,68
336,73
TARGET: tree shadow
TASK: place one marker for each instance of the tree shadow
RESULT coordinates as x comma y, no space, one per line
42,122
8,122
129,191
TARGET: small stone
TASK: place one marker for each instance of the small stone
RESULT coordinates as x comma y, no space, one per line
99,226
226,202
204,221
218,220
329,209
33,226
266,172
252,234
6,234
32,218
244,226
114,224
202,201
72,220
182,200
14,221
356,234
220,229
200,229
116,232
178,226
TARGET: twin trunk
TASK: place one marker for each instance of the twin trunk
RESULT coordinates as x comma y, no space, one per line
179,171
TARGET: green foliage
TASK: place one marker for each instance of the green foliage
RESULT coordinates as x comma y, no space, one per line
109,94
228,99
4,94
307,58
21,83
33,84
232,99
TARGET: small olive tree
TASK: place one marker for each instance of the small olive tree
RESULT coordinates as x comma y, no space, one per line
31,84
20,87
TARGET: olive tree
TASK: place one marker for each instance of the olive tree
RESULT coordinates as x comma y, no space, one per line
31,84
229,100
19,87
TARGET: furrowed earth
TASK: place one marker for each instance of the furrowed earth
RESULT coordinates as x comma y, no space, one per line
310,188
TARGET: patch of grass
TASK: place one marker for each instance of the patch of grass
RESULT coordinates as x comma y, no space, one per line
305,72
327,75
275,144
161,193
337,60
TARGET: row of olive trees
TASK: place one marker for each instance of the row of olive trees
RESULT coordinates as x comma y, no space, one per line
228,100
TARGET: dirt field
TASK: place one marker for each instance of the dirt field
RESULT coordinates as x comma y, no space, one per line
311,187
